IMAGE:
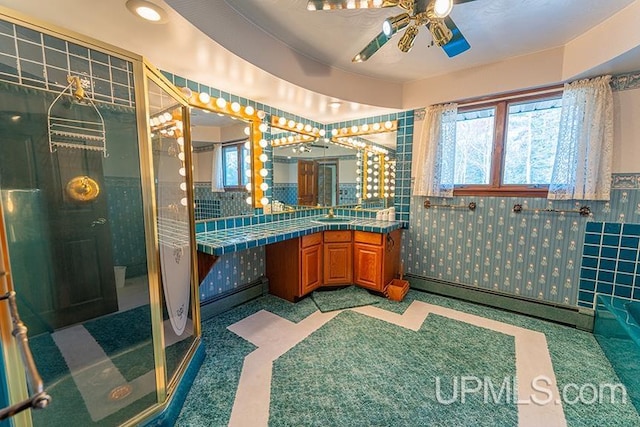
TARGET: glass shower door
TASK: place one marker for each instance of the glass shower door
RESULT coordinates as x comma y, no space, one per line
73,218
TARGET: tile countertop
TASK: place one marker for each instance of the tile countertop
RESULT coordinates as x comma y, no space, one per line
239,238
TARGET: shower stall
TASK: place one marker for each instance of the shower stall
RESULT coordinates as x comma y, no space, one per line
95,178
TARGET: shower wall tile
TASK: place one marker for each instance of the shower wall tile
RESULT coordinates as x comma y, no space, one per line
42,61
286,193
127,224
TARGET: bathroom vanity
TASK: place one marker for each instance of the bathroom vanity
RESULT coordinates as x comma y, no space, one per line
299,266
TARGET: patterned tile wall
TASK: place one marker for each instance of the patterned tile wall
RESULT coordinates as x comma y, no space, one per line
347,194
38,60
287,193
218,205
534,254
233,271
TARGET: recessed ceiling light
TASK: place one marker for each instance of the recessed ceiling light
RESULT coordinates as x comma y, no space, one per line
335,104
148,11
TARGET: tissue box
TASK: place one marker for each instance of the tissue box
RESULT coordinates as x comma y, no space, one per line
397,289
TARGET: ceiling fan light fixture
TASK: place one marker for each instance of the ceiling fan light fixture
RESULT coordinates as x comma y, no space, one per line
440,32
392,25
406,41
439,9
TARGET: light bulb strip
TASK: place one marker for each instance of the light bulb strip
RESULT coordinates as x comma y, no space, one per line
291,140
297,127
365,129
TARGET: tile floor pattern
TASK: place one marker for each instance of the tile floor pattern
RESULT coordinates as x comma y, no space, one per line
218,394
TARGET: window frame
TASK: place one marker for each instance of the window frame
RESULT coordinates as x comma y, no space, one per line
239,146
501,105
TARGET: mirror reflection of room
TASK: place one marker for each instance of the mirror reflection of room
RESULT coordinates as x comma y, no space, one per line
323,173
221,165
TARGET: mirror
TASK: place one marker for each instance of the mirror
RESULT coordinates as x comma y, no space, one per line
314,170
230,163
221,157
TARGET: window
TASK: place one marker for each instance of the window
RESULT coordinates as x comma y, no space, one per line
508,146
236,164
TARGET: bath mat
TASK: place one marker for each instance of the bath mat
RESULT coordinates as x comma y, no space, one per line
349,297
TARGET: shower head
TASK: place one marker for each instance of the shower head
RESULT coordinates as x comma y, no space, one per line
76,86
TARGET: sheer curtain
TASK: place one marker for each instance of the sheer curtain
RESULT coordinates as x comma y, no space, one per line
435,153
217,173
582,169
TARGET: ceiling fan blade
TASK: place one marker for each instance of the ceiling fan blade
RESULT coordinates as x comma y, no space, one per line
350,4
458,43
371,48
462,1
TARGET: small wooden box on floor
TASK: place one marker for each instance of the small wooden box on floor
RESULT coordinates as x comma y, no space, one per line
397,289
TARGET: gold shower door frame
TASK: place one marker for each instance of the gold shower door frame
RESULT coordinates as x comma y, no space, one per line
142,70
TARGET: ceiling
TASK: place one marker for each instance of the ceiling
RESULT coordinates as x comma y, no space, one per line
278,53
496,30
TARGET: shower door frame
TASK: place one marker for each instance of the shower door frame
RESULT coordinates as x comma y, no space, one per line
142,69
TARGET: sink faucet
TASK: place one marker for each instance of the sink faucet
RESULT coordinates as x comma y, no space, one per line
330,214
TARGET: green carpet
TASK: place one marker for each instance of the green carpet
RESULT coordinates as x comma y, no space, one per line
576,356
340,299
357,371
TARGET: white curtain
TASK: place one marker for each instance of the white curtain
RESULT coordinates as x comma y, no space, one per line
435,153
582,168
217,172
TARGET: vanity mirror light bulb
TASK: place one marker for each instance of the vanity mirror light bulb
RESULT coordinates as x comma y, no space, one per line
375,194
263,127
369,162
249,110
247,172
386,194
263,143
167,116
388,124
248,186
369,179
386,188
376,173
386,180
249,200
299,126
369,187
376,126
179,125
369,195
264,201
183,186
247,145
358,163
247,130
282,121
183,201
264,172
247,159
204,97
182,171
358,179
261,114
221,102
358,154
369,170
291,123
334,132
357,195
375,187
376,166
235,107
263,158
180,140
321,132
365,127
354,129
181,156
264,186
162,119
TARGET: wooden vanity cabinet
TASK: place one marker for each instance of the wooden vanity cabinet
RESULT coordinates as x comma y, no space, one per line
376,258
294,267
338,258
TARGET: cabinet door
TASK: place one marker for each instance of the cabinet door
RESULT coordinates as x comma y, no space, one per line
337,263
310,268
367,268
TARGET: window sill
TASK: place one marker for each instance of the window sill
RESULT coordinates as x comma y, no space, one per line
511,191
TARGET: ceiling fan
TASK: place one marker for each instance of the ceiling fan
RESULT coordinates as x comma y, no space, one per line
434,14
